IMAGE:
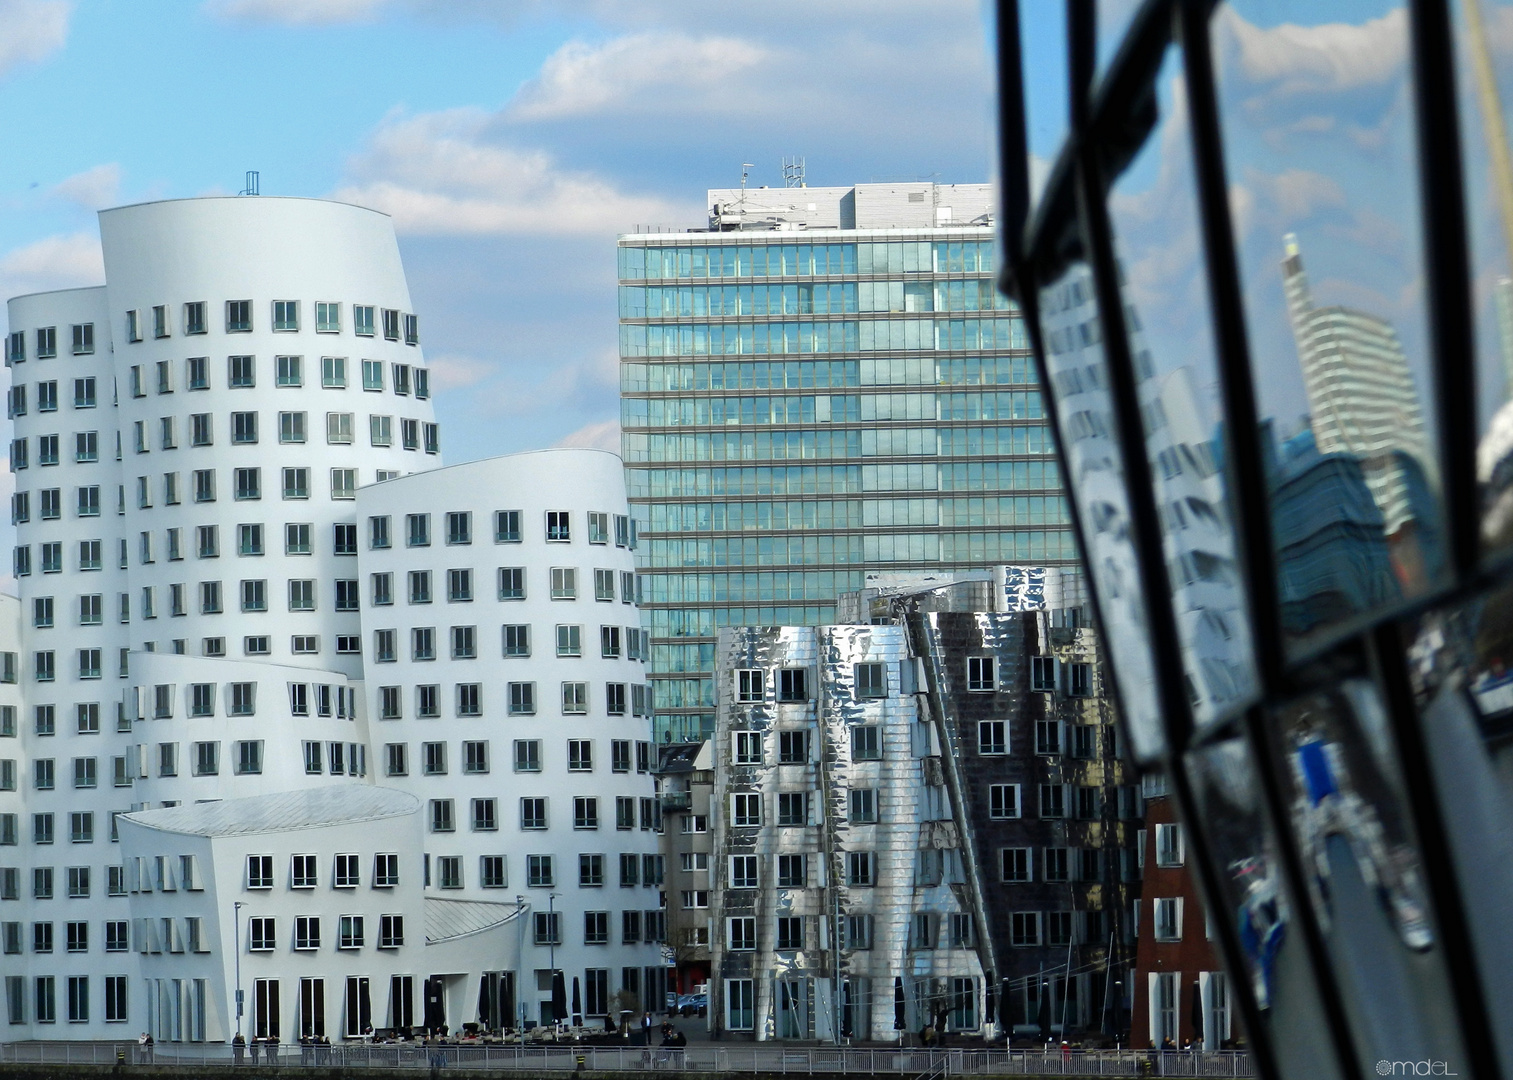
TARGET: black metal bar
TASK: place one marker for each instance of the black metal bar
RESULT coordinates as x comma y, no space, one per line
1249,502
1081,61
1447,274
1013,147
1424,801
1124,403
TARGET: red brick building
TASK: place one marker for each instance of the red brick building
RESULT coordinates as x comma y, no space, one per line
1181,991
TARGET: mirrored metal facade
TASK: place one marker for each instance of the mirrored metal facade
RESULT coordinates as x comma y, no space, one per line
923,821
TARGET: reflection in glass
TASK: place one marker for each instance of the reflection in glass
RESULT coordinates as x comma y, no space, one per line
1364,875
1317,110
1242,842
1078,370
1153,209
1460,666
1484,66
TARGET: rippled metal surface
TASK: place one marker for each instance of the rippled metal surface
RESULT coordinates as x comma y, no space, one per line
912,847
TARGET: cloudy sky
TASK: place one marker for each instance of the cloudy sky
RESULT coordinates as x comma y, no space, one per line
512,140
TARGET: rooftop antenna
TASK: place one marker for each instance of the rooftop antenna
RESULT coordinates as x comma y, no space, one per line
745,165
793,172
252,183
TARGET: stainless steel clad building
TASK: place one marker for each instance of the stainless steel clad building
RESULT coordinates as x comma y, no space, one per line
920,821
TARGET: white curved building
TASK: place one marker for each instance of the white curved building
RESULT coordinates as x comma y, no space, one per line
198,447
506,689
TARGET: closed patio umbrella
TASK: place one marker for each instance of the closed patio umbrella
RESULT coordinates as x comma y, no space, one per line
577,1004
898,1004
1044,1017
989,1007
559,997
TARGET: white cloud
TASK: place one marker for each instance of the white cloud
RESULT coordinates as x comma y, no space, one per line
454,372
299,12
1320,59
92,189
582,78
1277,202
604,435
442,174
63,261
31,30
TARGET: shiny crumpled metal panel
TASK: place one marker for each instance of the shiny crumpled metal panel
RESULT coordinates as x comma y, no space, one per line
869,878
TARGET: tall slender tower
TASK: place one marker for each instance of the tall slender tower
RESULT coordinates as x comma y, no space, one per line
1361,394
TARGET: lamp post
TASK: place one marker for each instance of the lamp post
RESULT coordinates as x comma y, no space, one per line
551,949
237,910
520,966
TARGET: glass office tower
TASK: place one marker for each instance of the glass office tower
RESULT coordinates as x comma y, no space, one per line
821,383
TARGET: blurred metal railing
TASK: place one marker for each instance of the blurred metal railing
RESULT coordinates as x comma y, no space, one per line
737,1058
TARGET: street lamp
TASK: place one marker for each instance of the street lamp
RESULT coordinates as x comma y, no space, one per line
237,909
551,949
520,965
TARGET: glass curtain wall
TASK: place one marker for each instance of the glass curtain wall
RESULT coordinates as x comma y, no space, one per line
797,413
1267,283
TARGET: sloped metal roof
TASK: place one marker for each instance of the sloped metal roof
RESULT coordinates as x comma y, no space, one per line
282,811
447,920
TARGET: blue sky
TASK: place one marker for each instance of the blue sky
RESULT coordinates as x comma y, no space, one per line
512,140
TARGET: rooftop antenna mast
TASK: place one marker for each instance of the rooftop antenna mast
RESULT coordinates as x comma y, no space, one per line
793,172
252,183
745,165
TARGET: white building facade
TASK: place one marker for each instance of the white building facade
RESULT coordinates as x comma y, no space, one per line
506,688
189,445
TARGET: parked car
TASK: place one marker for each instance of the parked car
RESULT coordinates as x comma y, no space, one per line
693,1004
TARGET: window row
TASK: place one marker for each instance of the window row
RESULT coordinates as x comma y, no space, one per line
1018,865
797,747
76,937
262,932
161,700
284,318
476,760
521,698
558,525
81,830
202,487
634,870
462,641
793,685
463,586
290,428
635,927
86,719
927,930
304,871
44,998
45,341
484,814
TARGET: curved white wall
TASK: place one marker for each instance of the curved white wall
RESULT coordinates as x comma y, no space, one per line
69,721
171,254
216,251
574,482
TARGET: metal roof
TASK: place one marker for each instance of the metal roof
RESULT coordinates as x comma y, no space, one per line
282,811
447,920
